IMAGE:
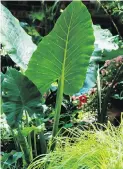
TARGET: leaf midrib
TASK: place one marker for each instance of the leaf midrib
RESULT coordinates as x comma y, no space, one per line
65,53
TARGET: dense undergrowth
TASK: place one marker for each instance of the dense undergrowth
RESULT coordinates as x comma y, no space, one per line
92,149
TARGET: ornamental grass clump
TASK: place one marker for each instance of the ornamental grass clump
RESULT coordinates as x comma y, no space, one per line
94,149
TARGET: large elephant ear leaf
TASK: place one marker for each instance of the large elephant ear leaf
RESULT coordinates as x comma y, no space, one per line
64,54
17,43
19,94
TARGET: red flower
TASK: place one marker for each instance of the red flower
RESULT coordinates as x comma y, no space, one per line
82,100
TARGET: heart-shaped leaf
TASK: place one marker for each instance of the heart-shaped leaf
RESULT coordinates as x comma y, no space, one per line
19,94
64,54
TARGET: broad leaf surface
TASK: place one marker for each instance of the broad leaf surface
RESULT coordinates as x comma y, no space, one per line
19,94
64,53
17,43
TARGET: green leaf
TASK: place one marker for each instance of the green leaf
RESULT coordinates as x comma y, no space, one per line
19,94
10,158
64,54
27,130
69,125
37,15
17,43
107,55
2,77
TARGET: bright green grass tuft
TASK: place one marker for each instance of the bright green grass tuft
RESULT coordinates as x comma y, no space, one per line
91,150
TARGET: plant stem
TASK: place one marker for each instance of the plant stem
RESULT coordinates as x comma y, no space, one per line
24,148
57,109
15,141
43,144
35,147
99,94
29,137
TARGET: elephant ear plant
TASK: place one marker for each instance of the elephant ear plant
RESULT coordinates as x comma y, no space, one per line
63,55
19,96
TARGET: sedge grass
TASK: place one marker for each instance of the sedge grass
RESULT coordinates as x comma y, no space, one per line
94,149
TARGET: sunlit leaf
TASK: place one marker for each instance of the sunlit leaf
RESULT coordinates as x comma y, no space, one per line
64,54
17,43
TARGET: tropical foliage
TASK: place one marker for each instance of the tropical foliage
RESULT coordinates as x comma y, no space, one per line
55,106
